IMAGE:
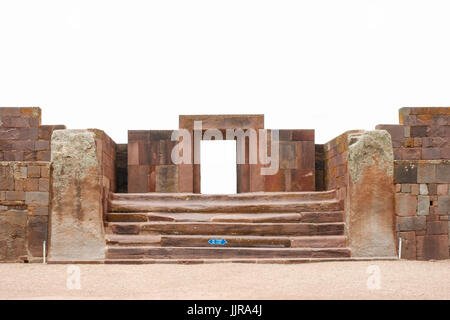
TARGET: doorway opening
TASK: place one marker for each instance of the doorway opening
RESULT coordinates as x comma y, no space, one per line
218,166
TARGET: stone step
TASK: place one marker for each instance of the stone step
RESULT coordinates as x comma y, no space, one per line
311,217
202,206
231,241
223,228
150,252
260,197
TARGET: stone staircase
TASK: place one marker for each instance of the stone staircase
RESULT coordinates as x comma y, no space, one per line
247,227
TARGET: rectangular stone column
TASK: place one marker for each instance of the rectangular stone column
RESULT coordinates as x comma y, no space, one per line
76,219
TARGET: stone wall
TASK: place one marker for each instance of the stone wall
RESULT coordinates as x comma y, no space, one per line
22,137
24,210
150,167
421,145
423,134
422,207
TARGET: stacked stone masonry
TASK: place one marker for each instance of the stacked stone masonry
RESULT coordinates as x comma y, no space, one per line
22,137
421,145
24,210
422,208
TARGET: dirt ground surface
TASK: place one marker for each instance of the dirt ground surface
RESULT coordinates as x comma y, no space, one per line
327,280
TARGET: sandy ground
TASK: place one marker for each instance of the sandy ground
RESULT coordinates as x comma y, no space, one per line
327,280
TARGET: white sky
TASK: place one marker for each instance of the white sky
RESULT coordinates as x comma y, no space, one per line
327,65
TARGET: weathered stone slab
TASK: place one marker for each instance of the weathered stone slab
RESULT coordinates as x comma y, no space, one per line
76,223
370,213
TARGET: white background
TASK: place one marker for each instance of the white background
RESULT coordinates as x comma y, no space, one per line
218,166
327,65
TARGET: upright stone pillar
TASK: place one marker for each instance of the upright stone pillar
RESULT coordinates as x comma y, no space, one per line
76,221
370,197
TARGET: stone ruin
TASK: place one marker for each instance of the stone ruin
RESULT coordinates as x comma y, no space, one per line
83,198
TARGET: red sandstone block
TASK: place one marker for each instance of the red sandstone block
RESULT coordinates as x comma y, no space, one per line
418,131
42,145
432,247
443,173
411,153
45,131
431,153
133,153
15,195
274,182
44,184
411,223
43,155
31,184
305,154
22,145
19,133
437,227
287,155
426,173
303,135
34,172
302,180
408,245
444,153
13,155
29,156
442,189
284,135
396,131
138,179
186,177
444,205
405,204
10,112
31,112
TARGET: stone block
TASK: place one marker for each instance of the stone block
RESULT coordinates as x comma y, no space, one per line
415,189
370,210
443,173
405,173
431,153
44,184
442,189
405,204
76,223
444,204
411,153
432,189
288,155
418,131
426,173
43,156
42,145
423,205
15,195
437,227
36,234
31,184
37,198
413,223
423,189
34,171
408,245
444,153
303,135
12,235
166,178
305,152
432,247
302,180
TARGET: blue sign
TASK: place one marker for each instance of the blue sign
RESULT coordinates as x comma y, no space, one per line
217,241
